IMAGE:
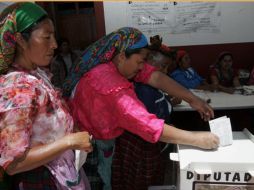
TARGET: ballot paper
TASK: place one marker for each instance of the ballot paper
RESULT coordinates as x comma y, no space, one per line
222,128
80,158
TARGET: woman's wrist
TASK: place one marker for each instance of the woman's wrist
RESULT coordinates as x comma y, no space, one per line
66,142
192,98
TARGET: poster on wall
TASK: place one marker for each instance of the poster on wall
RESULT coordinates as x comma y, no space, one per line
150,17
174,17
196,17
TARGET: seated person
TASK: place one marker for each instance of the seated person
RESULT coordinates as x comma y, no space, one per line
186,75
157,46
163,60
223,77
251,80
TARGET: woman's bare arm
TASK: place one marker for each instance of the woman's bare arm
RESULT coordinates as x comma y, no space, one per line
161,81
42,154
236,82
205,140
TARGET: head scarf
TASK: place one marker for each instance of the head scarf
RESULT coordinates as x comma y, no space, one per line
15,18
103,51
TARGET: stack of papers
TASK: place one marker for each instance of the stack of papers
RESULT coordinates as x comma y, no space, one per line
245,90
222,128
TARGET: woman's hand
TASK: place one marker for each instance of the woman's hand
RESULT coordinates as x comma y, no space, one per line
79,141
205,111
42,154
206,140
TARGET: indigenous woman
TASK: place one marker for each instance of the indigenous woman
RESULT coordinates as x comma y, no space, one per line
187,75
105,104
222,74
138,164
35,127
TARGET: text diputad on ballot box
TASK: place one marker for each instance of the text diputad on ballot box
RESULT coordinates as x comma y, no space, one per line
220,176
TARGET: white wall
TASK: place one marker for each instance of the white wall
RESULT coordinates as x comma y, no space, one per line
236,25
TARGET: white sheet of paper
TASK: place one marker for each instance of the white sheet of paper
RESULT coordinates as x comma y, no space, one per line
80,158
222,128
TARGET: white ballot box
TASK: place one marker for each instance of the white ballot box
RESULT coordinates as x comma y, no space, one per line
227,168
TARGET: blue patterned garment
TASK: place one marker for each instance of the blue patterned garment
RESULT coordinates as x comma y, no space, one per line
154,101
188,78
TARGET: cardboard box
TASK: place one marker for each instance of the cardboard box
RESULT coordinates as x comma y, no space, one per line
227,168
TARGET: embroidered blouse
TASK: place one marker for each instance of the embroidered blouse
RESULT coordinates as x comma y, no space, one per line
227,82
105,104
32,113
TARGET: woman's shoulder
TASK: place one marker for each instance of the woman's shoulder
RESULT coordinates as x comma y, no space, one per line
18,89
17,77
23,84
106,79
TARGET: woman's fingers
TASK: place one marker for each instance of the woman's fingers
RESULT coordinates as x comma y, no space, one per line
207,140
80,141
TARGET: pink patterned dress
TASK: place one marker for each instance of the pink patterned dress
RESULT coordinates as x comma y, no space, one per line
32,113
